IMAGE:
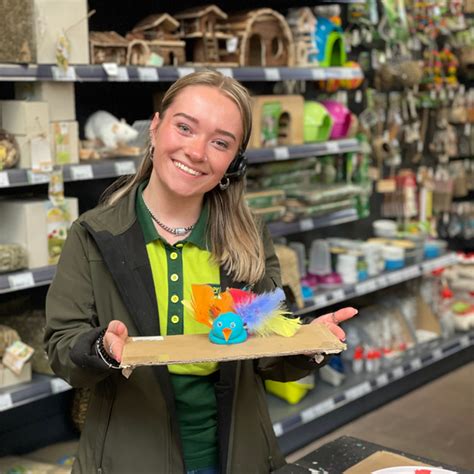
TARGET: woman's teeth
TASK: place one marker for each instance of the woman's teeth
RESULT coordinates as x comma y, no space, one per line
186,169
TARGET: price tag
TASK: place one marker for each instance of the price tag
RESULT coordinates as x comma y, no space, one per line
125,167
18,281
382,380
382,281
59,385
366,287
111,69
37,178
306,224
398,372
81,172
271,73
437,353
123,74
318,74
59,74
416,363
148,74
464,341
226,71
325,407
278,429
320,301
4,181
184,71
332,147
338,294
308,415
281,153
358,391
5,401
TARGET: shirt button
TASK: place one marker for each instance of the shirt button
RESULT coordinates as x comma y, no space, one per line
174,277
179,245
174,298
175,319
173,255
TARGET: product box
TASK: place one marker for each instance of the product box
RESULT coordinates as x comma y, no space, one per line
38,226
35,152
21,117
59,96
64,138
8,377
193,348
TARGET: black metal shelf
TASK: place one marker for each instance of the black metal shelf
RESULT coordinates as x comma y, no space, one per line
326,407
114,73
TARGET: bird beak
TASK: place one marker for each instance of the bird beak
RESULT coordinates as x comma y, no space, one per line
227,332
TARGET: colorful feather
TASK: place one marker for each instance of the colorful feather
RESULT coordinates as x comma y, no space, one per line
241,296
222,304
202,299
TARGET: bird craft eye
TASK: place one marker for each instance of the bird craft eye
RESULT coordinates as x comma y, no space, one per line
219,324
232,325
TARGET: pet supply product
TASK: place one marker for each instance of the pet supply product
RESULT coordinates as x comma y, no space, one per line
394,257
317,122
341,118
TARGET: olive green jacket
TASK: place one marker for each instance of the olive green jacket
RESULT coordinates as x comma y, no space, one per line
131,426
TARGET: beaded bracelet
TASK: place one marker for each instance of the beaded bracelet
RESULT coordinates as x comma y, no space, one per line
102,353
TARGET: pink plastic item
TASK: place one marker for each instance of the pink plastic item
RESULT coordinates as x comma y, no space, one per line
341,117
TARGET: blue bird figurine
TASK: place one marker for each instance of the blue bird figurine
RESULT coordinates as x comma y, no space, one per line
228,328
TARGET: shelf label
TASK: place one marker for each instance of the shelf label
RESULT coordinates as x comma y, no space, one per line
398,372
59,74
325,407
338,294
308,415
416,363
332,147
123,74
306,224
318,74
464,341
366,287
278,429
382,281
111,69
18,281
358,391
5,401
37,178
184,71
382,380
125,167
226,71
80,172
4,181
437,353
271,73
320,300
59,385
281,153
148,74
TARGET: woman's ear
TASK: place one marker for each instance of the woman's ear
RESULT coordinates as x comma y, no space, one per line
153,126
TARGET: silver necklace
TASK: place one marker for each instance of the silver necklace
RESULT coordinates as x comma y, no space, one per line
179,231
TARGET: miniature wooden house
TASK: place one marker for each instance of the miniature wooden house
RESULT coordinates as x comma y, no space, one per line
159,31
108,47
204,32
302,23
138,53
264,39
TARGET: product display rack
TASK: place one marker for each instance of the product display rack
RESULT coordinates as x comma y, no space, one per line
111,168
325,408
111,72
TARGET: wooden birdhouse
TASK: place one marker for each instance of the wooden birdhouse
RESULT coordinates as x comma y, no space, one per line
264,39
159,31
302,23
108,47
138,53
204,31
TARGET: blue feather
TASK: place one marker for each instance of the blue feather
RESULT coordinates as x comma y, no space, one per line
255,312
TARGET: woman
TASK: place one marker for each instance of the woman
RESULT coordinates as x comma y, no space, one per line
125,269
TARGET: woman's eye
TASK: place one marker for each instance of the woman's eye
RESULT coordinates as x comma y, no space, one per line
222,144
183,127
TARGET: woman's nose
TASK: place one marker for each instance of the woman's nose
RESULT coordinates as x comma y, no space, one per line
196,150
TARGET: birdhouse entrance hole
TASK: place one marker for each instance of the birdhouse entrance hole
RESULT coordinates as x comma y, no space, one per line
284,128
256,51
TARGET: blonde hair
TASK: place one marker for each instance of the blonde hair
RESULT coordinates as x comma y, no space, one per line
233,236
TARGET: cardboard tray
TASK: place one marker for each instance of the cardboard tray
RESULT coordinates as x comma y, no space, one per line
193,348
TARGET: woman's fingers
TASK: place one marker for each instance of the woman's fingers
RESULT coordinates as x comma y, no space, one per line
338,316
114,339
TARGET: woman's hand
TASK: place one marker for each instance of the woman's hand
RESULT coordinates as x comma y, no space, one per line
332,320
114,339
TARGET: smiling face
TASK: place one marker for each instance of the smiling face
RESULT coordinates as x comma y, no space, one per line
195,141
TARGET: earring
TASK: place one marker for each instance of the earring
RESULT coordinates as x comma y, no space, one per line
151,152
223,185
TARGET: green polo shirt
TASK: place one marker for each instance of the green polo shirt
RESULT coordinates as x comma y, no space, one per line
175,268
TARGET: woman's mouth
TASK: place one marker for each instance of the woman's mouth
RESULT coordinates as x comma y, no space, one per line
186,169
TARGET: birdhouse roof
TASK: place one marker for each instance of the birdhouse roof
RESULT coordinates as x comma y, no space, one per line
107,38
152,21
198,12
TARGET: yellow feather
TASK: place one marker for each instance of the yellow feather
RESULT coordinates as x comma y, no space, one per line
278,323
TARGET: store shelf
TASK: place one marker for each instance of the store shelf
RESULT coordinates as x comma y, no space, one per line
360,393
113,73
278,229
41,386
264,155
25,279
111,168
328,297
